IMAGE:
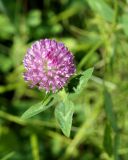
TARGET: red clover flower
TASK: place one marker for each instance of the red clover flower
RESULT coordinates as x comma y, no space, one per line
49,65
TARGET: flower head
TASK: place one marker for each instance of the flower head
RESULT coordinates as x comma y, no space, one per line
49,65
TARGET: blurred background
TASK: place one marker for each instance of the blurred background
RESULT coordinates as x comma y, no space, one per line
96,31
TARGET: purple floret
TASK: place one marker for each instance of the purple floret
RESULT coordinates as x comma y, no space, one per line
49,65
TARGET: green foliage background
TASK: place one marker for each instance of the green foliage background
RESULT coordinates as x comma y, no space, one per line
96,31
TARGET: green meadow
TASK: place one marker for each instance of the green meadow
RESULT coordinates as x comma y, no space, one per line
96,32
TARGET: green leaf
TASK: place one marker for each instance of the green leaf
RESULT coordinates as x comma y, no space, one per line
116,146
74,82
8,156
37,108
107,142
5,63
85,76
67,13
6,28
102,8
124,23
34,18
109,110
63,113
